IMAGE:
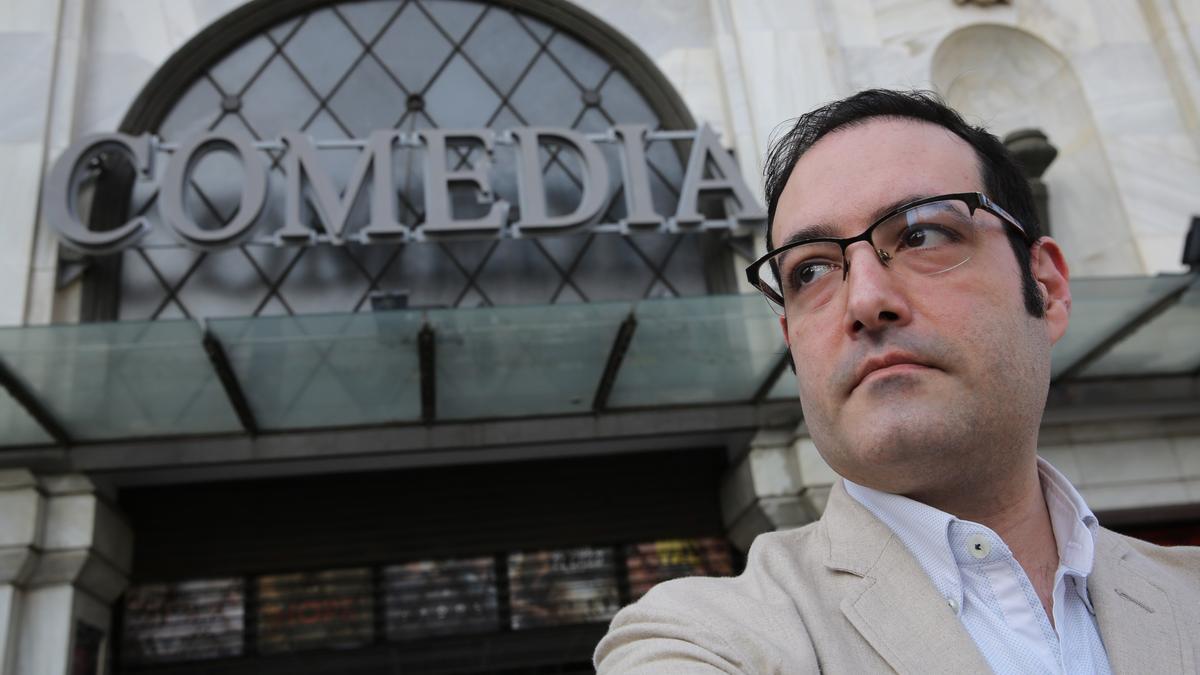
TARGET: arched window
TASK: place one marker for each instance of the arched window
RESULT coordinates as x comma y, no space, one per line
339,70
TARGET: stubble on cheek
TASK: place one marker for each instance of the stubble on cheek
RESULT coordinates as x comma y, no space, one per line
889,430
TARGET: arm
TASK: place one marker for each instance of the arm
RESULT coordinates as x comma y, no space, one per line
647,640
704,627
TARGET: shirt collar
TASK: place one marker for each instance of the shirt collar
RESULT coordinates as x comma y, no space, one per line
1073,522
927,533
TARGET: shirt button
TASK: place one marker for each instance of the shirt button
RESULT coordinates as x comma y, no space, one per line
979,546
953,603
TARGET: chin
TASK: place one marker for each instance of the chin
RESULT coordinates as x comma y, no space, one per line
899,453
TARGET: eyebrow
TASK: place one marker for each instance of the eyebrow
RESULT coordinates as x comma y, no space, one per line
829,231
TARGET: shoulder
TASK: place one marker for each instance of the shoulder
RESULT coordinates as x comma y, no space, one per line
747,623
1173,568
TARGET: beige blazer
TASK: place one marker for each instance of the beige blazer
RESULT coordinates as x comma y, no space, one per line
843,595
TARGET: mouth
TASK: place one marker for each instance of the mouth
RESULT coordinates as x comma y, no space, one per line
892,363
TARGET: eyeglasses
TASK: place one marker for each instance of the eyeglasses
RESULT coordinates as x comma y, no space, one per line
925,237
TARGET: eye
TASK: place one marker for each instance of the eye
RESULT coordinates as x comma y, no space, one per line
925,235
809,272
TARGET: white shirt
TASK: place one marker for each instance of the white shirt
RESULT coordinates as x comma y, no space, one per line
985,585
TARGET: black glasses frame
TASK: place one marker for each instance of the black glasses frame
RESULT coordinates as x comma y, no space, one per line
973,200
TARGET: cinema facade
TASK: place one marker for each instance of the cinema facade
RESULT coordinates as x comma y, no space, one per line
406,335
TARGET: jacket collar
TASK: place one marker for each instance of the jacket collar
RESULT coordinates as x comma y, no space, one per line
930,533
897,610
1137,623
895,606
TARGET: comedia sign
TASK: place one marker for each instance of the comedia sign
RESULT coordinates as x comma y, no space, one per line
710,172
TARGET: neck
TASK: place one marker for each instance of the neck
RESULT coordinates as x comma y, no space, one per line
1003,500
1013,507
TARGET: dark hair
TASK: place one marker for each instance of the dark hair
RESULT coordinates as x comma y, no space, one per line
1002,178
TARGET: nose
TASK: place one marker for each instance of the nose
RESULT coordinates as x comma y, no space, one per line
875,296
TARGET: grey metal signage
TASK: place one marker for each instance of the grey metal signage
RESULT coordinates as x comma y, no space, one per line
710,171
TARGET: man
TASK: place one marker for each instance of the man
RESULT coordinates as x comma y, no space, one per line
919,303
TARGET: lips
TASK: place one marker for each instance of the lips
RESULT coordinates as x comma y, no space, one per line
886,361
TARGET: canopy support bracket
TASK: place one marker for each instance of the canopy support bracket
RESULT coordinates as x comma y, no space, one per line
233,390
772,377
427,355
25,398
615,356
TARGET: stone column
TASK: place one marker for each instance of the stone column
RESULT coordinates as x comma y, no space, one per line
65,555
781,482
22,509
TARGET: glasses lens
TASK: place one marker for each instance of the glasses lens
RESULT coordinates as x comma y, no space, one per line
805,276
928,239
767,280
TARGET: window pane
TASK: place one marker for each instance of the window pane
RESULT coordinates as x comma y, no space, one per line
512,361
1168,344
1102,305
553,588
658,561
709,349
315,609
188,620
332,370
441,597
16,425
121,380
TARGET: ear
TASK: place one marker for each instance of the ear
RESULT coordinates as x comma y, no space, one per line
783,326
1053,281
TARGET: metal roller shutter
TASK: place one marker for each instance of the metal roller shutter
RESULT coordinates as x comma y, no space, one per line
314,573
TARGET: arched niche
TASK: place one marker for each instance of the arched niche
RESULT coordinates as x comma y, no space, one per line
1006,79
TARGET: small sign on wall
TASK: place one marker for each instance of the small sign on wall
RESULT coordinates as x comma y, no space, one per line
86,649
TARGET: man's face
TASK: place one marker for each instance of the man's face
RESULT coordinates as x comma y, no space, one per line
958,369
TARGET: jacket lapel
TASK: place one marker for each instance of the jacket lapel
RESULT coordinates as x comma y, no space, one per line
1135,617
895,607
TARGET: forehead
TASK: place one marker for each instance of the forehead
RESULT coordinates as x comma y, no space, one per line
853,171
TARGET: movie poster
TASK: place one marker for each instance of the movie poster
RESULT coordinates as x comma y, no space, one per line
552,588
315,609
657,561
85,649
187,620
441,597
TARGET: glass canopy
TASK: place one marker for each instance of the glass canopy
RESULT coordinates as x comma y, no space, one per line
70,384
325,370
117,380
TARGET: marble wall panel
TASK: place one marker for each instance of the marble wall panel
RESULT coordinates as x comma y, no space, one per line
29,58
1119,22
1068,25
129,40
854,23
27,48
1176,47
